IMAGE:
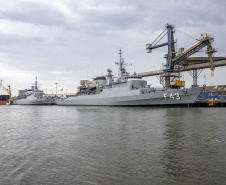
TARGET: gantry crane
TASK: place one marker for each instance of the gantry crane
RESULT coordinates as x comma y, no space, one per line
7,88
174,59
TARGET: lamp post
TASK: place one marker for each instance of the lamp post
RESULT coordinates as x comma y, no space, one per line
46,91
56,89
66,92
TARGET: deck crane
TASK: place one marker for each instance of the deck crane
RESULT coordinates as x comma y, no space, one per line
174,59
6,89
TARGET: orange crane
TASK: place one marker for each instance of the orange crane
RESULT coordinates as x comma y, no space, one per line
7,88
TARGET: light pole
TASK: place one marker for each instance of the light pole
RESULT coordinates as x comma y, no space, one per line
66,92
56,89
46,91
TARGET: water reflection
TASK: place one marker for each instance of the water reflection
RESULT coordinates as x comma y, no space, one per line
189,147
173,159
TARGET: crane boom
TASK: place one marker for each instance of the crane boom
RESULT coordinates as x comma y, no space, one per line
170,29
205,41
189,67
6,89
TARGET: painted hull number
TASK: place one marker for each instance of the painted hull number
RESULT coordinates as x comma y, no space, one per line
175,96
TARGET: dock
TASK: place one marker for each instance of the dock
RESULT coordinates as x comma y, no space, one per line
210,103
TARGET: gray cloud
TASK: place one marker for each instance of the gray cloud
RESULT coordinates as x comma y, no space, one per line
34,13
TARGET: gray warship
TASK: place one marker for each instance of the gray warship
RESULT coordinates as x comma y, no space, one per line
129,90
33,96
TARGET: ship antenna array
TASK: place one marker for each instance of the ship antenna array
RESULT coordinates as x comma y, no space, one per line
121,60
36,84
120,54
120,64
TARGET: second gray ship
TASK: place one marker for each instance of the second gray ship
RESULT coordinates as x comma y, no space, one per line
33,96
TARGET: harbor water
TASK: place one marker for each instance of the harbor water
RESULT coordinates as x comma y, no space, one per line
112,145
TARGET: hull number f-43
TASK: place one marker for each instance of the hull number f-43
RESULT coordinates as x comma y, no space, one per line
175,96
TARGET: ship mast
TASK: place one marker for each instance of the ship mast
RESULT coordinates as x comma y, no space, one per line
121,64
36,84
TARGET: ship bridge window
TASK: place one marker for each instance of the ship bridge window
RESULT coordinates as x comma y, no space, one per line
38,94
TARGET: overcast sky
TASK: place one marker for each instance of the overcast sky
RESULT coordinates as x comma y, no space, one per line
66,41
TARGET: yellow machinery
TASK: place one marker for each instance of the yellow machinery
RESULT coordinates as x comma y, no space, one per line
6,89
211,102
210,52
178,83
181,50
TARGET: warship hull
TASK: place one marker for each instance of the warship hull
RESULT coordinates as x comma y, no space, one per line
124,97
32,101
18,102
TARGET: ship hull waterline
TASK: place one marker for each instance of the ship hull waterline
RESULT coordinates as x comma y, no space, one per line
21,102
4,102
158,98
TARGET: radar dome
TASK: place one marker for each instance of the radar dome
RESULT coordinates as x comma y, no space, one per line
160,87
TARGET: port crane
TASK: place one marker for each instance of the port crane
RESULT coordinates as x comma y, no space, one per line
175,60
6,87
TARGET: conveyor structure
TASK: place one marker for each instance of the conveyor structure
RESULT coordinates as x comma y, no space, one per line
181,61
